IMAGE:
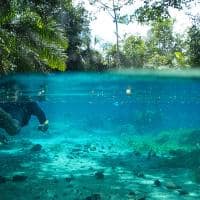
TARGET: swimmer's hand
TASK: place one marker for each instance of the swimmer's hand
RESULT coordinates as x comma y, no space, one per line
44,127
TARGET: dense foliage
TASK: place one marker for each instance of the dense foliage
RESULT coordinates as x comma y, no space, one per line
194,45
161,48
41,36
30,37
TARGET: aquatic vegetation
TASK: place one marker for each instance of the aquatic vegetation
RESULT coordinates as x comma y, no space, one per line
188,159
147,121
162,139
176,149
180,158
165,142
147,143
191,138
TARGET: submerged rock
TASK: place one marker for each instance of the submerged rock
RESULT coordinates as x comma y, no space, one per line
94,197
137,153
157,183
172,186
19,178
131,193
92,148
69,178
183,192
36,148
99,175
2,179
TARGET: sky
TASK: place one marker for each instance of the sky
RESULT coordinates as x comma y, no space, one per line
104,29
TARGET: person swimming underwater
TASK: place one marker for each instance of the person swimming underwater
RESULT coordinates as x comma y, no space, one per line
16,110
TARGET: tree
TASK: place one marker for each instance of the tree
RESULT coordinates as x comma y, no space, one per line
134,49
113,57
160,43
30,38
164,48
194,45
75,21
93,60
193,40
152,10
113,8
181,58
161,36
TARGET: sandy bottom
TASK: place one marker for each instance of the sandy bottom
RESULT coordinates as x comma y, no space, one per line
85,165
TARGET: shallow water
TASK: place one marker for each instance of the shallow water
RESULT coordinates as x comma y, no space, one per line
110,136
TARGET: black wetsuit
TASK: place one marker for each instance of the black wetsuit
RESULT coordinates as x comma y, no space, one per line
23,110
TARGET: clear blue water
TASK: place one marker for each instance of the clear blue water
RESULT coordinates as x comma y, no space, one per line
103,97
119,116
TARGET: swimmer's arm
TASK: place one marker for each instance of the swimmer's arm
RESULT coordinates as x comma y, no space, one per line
35,110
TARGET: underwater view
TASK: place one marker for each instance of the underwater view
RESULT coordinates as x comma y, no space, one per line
100,136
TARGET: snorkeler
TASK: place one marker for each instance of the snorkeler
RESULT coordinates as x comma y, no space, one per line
16,110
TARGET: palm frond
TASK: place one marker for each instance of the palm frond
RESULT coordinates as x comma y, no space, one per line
28,42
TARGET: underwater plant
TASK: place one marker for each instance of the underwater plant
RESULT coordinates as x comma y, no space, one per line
160,143
191,138
174,149
147,121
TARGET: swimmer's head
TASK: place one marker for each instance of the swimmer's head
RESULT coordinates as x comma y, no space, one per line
10,91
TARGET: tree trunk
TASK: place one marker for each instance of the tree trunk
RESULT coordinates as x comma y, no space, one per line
117,34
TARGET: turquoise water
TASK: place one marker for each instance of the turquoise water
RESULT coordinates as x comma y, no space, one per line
111,136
